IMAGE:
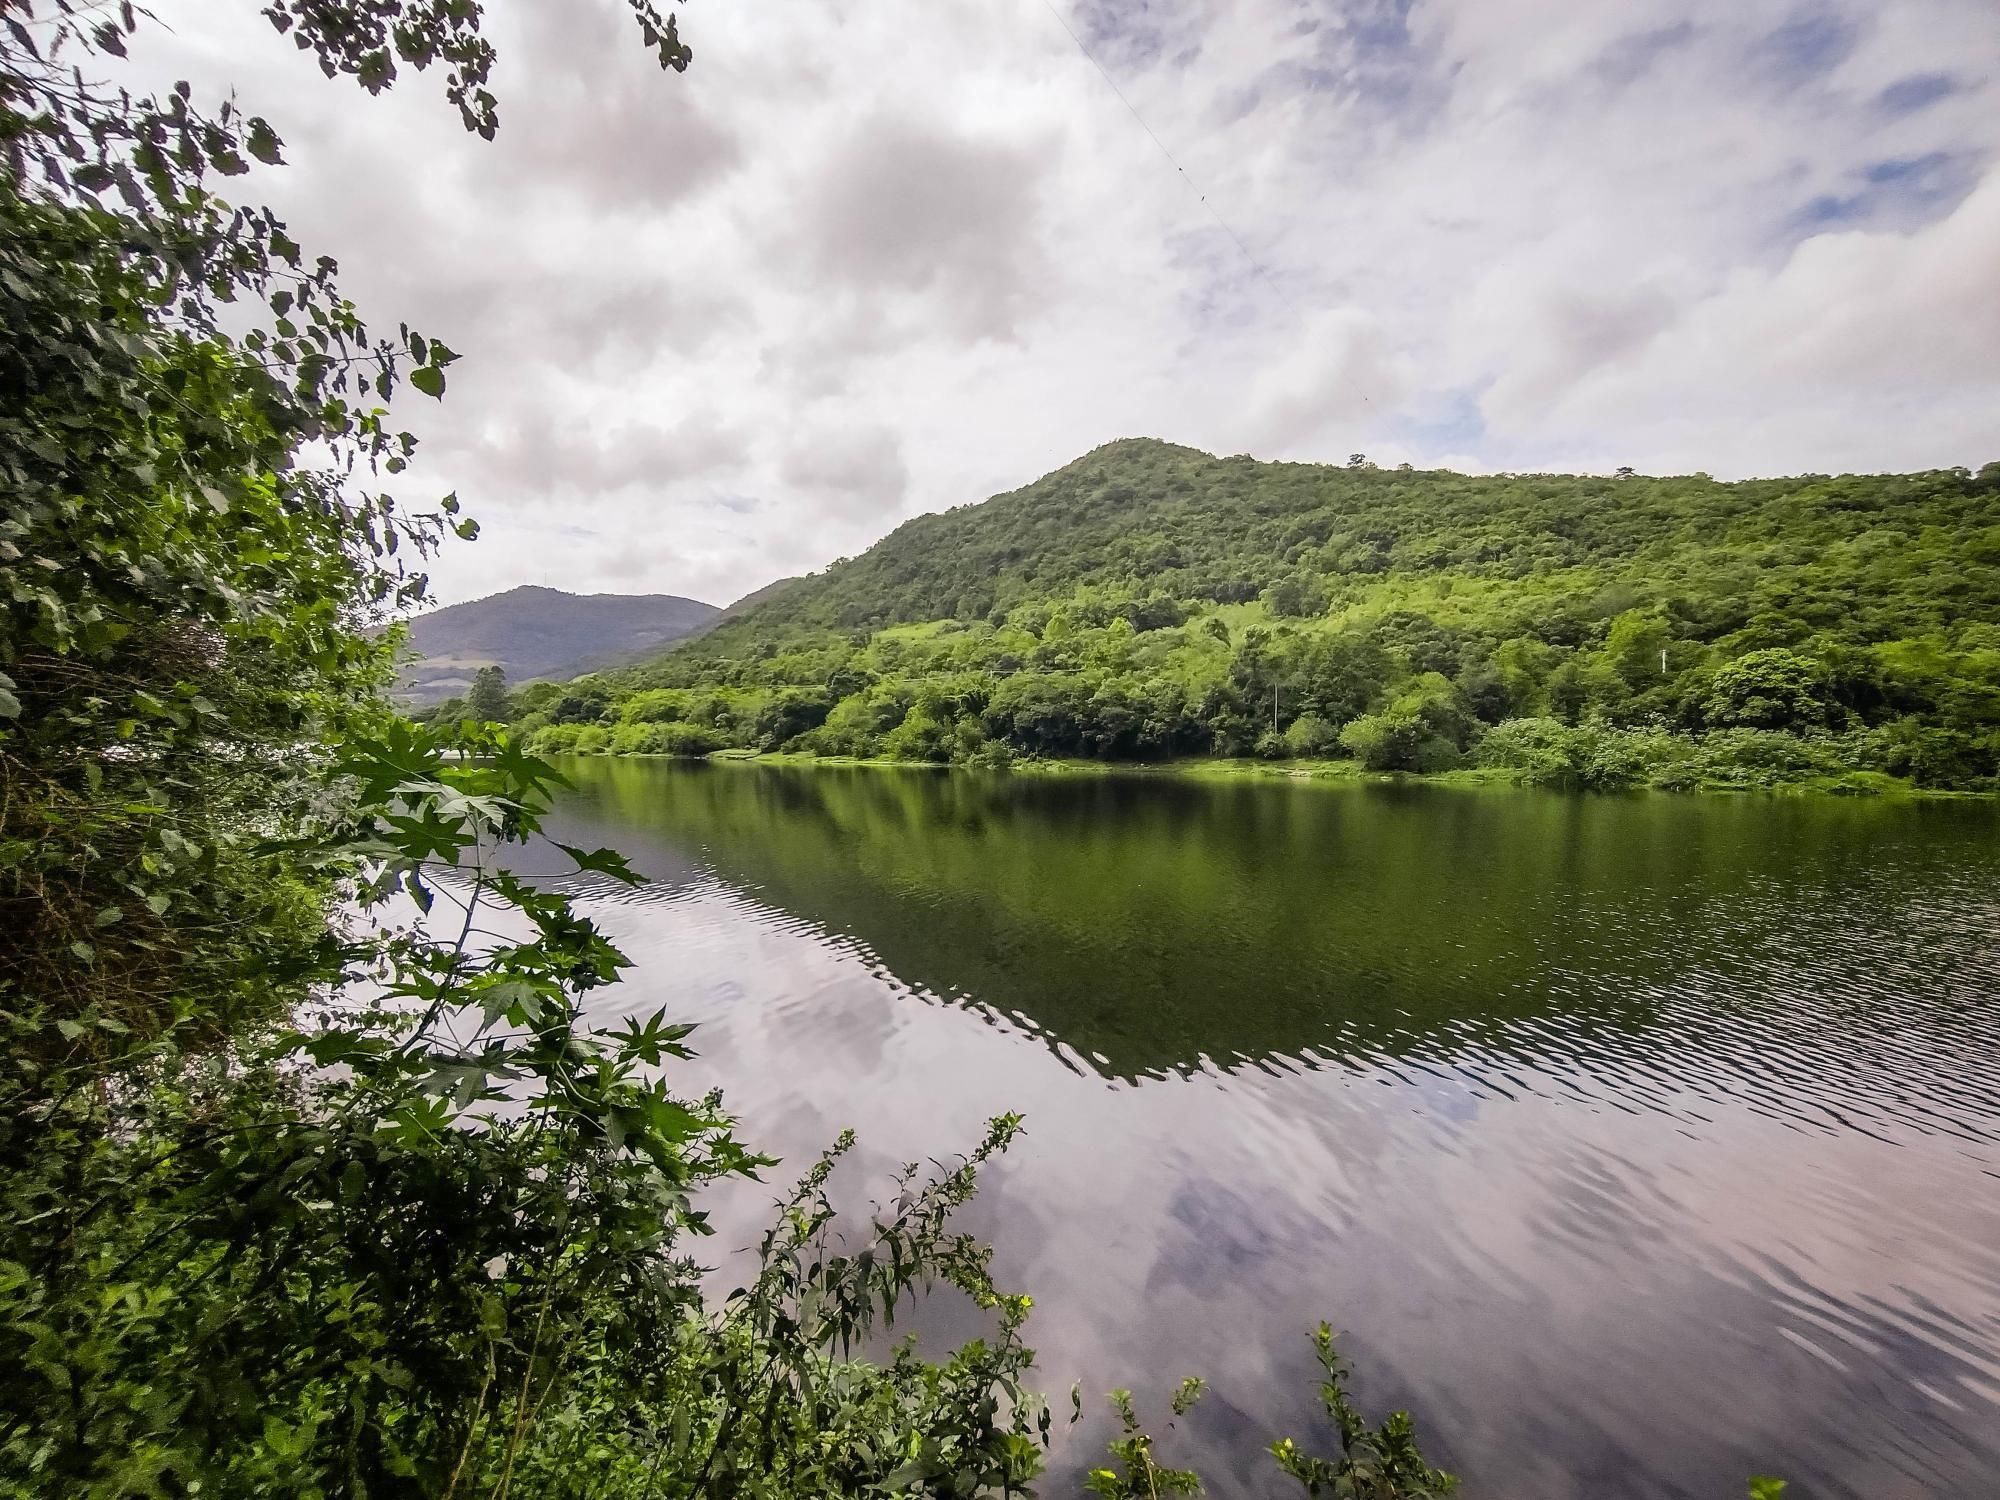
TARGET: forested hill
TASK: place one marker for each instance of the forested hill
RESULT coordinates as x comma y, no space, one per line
1150,600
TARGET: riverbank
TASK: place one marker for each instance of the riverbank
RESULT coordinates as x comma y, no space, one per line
1847,784
1198,768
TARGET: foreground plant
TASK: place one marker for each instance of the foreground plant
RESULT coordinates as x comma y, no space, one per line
434,1237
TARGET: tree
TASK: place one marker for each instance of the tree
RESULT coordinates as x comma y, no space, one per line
1636,646
1424,729
194,559
1310,735
1299,596
1770,689
487,700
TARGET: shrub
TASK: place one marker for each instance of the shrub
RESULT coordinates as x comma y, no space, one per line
992,755
682,739
667,737
554,739
1763,757
1859,784
1398,741
920,736
654,706
1591,756
1310,735
1544,751
1423,730
1932,756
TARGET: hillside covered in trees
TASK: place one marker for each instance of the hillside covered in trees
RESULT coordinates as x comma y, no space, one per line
1150,601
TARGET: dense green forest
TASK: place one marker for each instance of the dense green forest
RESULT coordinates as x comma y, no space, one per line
1149,601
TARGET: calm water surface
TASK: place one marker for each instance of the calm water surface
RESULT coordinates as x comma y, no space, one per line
1637,1145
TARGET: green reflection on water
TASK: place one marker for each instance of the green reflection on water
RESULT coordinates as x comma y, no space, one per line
1149,922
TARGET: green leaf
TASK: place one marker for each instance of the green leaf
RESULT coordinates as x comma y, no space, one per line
264,143
603,862
429,379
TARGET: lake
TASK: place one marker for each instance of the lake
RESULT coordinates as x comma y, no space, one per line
1635,1144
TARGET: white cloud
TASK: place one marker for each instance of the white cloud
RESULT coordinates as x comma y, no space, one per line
864,260
1342,366
859,471
1860,351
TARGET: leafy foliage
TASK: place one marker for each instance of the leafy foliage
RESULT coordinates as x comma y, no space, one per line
1133,1448
187,598
1375,1463
431,1239
1149,601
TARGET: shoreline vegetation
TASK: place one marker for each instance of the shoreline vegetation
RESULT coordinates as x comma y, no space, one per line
1326,772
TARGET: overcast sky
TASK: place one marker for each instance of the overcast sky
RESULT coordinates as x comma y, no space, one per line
869,259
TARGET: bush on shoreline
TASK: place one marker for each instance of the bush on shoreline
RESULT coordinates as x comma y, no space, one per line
1592,756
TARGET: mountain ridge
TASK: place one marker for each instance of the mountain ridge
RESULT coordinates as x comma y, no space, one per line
533,631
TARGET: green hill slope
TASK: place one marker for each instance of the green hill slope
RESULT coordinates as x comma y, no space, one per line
1150,601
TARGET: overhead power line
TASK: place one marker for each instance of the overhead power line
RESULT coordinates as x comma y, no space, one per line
1152,135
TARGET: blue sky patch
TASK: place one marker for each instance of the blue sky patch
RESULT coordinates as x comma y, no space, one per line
1919,91
1440,422
1898,193
1630,58
1808,46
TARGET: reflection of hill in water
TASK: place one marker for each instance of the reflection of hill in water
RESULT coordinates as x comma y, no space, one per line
1150,923
1561,1107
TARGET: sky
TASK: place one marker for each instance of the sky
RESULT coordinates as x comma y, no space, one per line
867,260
